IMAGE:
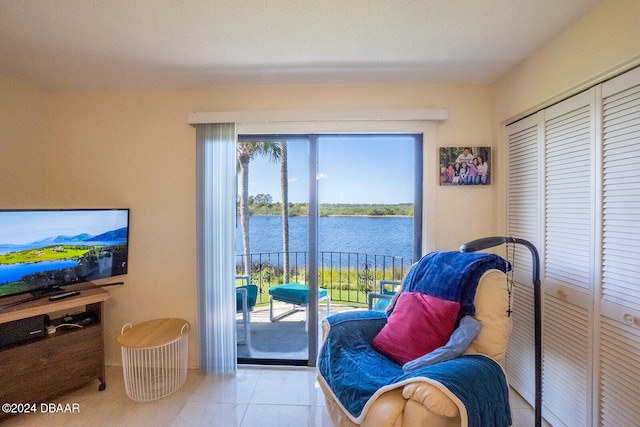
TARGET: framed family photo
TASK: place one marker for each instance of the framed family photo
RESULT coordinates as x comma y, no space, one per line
465,165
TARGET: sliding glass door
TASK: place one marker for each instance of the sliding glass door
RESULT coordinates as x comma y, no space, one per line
321,219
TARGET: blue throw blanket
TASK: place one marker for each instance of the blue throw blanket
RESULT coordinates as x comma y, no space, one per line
453,276
357,374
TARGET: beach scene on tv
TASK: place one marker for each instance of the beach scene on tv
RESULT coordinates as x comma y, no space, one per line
40,249
465,165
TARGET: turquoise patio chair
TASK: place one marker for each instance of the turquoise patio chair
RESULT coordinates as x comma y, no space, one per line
379,301
246,297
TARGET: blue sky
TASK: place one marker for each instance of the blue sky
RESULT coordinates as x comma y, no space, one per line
352,170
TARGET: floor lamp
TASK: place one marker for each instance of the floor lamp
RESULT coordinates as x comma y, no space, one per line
489,242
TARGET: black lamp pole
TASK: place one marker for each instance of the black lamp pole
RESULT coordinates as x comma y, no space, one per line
489,242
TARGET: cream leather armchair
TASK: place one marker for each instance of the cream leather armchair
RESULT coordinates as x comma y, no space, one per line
422,404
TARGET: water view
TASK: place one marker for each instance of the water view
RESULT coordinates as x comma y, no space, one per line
367,235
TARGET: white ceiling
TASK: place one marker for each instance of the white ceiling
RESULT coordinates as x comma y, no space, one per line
87,44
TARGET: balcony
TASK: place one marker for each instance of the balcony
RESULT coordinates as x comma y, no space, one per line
348,277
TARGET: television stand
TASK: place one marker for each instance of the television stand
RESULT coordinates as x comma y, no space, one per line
38,371
43,293
36,295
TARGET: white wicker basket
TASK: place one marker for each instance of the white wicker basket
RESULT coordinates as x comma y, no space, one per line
154,358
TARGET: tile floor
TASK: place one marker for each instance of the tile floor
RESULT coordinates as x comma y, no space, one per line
255,396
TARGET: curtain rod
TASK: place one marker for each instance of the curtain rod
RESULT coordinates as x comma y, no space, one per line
387,114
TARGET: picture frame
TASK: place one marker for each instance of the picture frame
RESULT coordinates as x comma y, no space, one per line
465,166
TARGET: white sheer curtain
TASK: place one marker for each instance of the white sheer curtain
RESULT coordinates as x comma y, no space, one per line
215,231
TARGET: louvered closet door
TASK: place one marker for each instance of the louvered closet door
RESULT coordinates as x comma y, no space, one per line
619,376
568,255
523,221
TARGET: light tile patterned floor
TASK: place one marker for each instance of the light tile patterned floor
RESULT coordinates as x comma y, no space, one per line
253,397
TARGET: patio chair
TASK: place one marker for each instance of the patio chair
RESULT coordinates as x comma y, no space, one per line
379,301
434,358
246,297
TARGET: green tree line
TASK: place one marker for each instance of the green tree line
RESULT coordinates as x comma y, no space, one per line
259,207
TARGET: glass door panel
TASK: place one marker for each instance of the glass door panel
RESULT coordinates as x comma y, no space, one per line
272,248
366,214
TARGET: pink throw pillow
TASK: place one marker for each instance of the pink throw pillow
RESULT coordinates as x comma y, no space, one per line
418,325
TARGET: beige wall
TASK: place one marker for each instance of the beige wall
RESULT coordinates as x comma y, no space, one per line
134,149
600,45
23,144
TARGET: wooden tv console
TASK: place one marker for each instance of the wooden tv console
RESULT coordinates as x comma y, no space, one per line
37,371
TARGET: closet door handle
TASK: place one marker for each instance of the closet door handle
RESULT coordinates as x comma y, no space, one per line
629,319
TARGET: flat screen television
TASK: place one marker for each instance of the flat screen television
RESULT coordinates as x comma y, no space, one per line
42,250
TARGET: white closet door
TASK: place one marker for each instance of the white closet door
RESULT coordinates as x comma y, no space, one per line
574,191
568,256
619,376
523,221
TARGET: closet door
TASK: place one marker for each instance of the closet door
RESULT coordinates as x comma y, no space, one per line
568,279
619,299
523,221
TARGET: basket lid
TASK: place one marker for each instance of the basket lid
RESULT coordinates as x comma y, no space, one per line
154,333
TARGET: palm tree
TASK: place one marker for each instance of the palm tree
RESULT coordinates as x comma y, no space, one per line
246,152
284,185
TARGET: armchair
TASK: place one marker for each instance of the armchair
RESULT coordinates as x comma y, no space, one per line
363,387
246,297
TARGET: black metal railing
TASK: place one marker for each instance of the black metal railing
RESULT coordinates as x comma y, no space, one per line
347,276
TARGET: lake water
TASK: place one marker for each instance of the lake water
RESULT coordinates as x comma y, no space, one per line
366,235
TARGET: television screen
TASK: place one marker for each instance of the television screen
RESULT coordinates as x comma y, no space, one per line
41,250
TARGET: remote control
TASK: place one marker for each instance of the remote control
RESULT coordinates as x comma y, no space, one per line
64,295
